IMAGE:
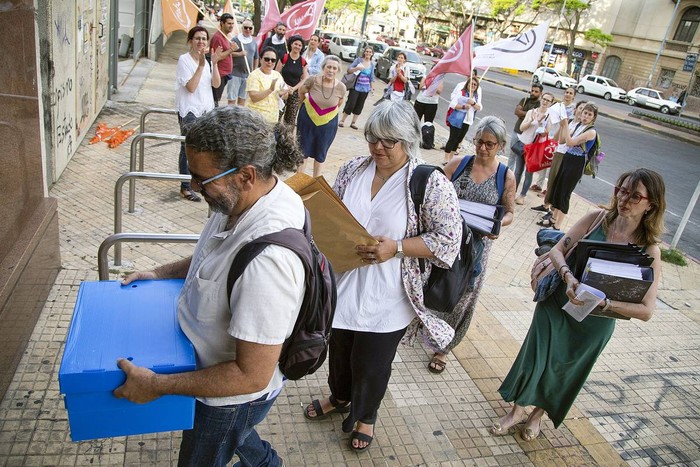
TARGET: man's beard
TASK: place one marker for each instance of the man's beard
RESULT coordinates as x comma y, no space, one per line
223,202
280,35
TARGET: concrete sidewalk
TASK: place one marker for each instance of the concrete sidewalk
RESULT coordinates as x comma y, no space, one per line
639,407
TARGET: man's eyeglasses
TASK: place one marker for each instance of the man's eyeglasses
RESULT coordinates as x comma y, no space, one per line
488,144
269,59
215,177
386,143
634,198
248,28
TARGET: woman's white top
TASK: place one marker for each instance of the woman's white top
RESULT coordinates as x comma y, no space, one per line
455,100
372,298
201,100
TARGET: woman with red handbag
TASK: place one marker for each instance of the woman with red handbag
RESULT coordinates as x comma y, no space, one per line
578,142
535,124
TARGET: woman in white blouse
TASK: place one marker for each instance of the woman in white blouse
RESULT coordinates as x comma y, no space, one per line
380,303
195,78
465,97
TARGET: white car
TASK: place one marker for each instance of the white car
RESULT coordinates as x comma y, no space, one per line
378,47
553,77
344,47
409,44
601,86
652,98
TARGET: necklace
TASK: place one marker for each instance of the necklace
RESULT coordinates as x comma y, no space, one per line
323,92
383,179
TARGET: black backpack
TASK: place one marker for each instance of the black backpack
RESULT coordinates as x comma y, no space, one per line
427,136
306,348
445,286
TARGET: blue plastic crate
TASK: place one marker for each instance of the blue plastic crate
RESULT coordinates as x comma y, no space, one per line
111,321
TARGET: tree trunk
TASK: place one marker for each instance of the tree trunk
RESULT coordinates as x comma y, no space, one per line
572,42
257,13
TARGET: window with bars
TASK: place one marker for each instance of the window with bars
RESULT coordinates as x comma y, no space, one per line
665,78
688,25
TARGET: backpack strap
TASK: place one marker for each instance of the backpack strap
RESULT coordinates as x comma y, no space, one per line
417,184
284,59
461,167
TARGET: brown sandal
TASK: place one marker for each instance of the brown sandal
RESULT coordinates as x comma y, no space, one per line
436,365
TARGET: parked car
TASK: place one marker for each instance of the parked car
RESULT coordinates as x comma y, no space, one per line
409,44
652,98
437,51
601,86
415,68
559,79
423,49
379,48
326,41
345,47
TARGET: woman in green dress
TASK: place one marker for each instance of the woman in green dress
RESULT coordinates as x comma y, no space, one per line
559,352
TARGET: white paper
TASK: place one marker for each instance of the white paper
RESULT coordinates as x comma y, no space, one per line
485,225
613,268
480,209
590,296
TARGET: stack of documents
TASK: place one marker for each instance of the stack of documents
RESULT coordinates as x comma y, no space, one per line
483,218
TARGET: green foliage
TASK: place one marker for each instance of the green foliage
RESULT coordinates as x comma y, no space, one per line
598,37
341,6
673,256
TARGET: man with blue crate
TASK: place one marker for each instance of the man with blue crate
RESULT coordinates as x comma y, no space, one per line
232,155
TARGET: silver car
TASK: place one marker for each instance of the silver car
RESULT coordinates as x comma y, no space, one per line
414,66
652,98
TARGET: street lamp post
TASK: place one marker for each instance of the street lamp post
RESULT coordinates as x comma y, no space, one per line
663,42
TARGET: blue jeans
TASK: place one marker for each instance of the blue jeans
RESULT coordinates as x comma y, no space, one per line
185,123
221,432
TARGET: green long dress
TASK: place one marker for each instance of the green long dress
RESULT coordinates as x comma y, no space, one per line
557,355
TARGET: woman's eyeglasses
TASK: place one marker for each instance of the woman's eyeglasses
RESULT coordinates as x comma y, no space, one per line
548,101
634,198
386,143
269,59
488,144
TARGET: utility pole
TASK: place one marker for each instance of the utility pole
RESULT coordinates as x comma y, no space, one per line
663,42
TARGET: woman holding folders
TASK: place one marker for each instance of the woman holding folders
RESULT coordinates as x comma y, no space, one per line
464,98
478,182
382,303
559,352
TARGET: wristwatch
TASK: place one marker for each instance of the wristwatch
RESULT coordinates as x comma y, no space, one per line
399,250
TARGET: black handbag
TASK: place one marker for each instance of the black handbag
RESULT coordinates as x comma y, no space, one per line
445,287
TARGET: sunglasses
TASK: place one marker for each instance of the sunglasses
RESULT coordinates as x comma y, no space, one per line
248,28
386,143
634,198
269,59
489,144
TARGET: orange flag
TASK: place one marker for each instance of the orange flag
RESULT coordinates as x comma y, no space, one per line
178,15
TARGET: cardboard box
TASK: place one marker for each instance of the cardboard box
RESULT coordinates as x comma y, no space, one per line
138,322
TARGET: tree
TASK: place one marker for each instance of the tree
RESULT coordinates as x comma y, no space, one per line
505,12
598,37
420,9
573,9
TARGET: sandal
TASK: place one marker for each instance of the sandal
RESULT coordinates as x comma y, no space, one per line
320,414
436,365
190,196
353,126
341,125
498,430
546,223
356,435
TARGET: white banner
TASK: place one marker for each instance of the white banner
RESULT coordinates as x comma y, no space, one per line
521,52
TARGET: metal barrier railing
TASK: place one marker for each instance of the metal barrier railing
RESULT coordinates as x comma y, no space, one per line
154,111
139,139
118,187
131,237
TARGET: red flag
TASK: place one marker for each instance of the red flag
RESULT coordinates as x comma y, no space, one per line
302,18
457,60
272,17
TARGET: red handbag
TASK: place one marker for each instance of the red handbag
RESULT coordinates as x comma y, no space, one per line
539,154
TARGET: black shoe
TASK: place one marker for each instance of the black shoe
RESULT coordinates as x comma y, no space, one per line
540,208
547,216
